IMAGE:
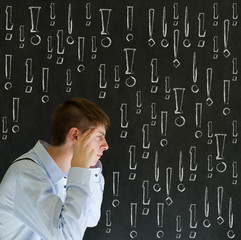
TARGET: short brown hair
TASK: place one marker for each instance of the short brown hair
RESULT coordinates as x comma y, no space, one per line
76,112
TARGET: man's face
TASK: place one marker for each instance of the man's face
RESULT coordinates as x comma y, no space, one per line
98,143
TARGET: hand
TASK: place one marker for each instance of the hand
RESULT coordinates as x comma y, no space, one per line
84,156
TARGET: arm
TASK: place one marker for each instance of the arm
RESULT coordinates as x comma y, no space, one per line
96,189
43,211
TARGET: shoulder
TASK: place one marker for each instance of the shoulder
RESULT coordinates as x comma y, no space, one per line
21,167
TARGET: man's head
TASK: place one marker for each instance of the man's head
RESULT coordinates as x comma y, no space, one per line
76,112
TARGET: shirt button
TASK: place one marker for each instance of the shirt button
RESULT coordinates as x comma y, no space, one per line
96,175
64,186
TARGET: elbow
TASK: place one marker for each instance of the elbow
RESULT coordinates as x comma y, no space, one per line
93,220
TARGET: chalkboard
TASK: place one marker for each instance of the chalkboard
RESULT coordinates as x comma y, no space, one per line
167,74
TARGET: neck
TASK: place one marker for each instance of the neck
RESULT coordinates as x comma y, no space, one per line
62,156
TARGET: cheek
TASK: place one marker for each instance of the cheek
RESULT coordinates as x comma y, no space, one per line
94,145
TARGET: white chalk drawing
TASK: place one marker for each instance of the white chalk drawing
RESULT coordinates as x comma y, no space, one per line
130,55
35,14
8,71
194,88
116,185
206,222
198,119
132,161
215,14
160,219
45,84
133,219
209,100
164,41
129,23
226,27
105,21
68,80
108,221
180,186
220,191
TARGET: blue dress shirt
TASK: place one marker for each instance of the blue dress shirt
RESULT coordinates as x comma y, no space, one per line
37,200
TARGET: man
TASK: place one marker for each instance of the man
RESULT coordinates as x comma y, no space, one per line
54,191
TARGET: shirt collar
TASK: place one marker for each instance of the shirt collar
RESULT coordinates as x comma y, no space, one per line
47,161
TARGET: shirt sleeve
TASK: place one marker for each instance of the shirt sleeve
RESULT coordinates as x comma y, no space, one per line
42,210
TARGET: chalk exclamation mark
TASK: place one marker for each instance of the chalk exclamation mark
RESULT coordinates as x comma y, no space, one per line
226,27
157,187
108,221
4,128
28,75
179,227
210,166
235,172
160,219
180,187
154,75
9,23
186,41
60,46
138,102
68,81
206,221
198,119
164,141
164,42
34,13
132,161
179,95
49,47
8,71
116,184
105,21
220,143
15,127
169,200
210,132
130,55
215,14
209,100
215,47
129,23
88,14
145,197
21,36
93,47
133,218
146,140
45,84
70,39
235,69
194,88
52,14
102,81
201,29
235,14
226,96
230,233
235,131
117,76
81,50
124,120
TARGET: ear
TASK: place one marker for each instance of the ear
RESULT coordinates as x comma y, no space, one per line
73,134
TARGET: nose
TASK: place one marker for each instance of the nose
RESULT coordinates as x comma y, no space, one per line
104,146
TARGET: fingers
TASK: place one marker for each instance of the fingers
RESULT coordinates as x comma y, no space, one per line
87,136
